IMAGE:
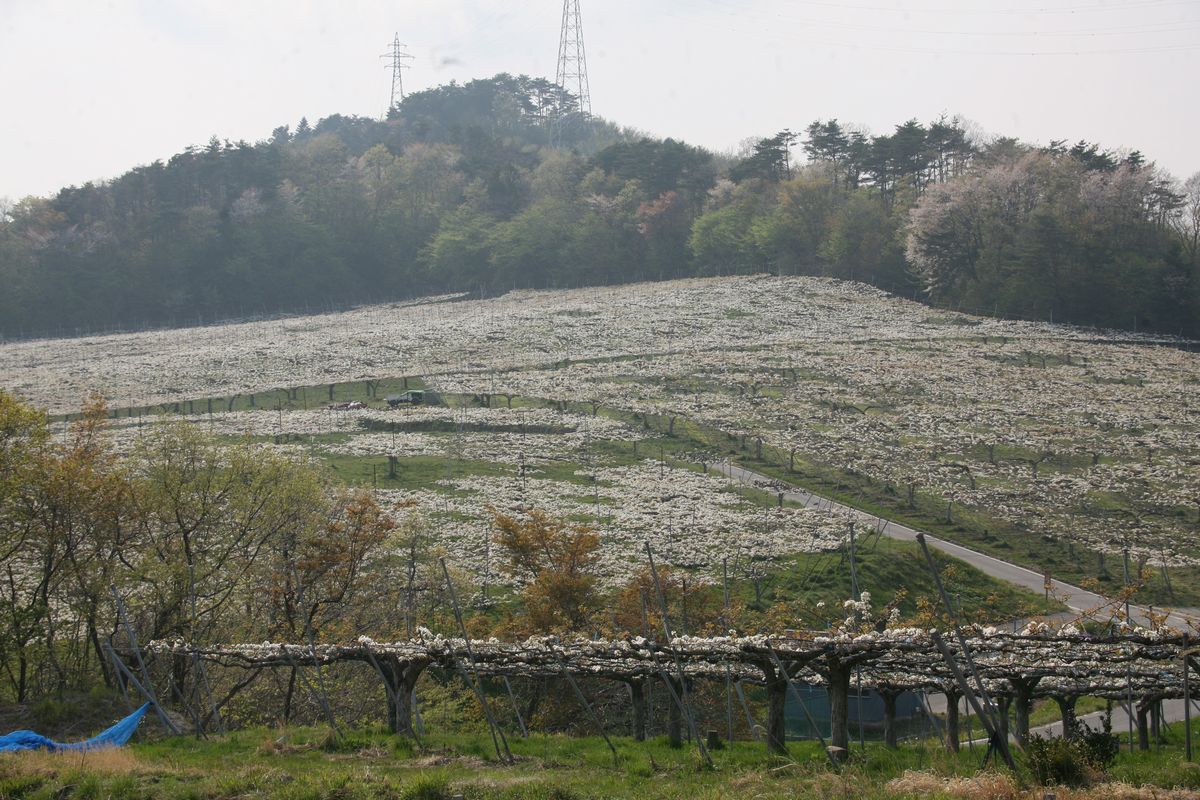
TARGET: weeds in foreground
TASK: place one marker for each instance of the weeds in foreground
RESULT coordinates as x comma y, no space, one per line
368,764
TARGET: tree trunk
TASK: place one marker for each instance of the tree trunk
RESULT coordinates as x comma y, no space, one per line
401,678
839,708
287,698
535,699
776,700
952,736
889,718
1003,703
638,694
1143,728
1066,707
1022,701
675,715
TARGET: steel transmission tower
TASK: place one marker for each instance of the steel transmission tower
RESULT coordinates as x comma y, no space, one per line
398,56
572,61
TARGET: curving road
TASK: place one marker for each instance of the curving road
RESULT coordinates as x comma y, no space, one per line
1075,598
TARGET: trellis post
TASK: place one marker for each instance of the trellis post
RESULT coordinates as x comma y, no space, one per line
674,713
862,740
517,711
588,707
725,625
984,710
682,699
1187,702
148,689
498,739
323,696
147,692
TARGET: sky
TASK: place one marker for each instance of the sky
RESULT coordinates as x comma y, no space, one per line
89,89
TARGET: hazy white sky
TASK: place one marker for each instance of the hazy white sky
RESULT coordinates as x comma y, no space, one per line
91,88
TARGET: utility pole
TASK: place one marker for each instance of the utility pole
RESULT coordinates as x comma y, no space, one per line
572,60
397,55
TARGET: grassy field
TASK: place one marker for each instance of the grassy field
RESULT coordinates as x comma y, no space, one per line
296,764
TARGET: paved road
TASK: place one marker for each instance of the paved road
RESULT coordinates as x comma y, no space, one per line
1172,712
1078,600
1074,597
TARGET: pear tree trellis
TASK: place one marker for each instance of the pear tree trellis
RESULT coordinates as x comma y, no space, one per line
1016,668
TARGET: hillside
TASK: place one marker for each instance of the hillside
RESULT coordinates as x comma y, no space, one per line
1047,445
498,184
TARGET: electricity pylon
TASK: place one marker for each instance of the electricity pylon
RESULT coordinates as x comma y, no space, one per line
572,60
398,55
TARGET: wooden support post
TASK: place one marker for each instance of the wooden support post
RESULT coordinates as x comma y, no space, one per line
146,692
1156,723
512,698
321,693
981,704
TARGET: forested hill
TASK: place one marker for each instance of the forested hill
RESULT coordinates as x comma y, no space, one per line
470,188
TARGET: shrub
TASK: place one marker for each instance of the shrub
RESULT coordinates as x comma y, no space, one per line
427,787
1075,761
1100,747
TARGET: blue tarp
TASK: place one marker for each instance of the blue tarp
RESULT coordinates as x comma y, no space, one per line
115,736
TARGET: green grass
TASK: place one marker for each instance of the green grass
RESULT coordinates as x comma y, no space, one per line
885,566
368,763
